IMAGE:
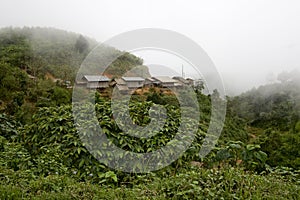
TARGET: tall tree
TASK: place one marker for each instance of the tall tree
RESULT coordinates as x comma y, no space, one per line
82,44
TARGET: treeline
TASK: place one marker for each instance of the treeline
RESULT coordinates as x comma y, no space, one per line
272,113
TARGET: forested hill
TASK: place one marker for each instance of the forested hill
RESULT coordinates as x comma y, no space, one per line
33,59
45,50
276,104
42,155
42,51
272,113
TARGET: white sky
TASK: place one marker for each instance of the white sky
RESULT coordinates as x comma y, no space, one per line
247,40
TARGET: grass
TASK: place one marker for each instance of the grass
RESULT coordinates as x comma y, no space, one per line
193,183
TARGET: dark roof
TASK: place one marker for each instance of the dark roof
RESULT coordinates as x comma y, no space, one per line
95,78
128,79
190,79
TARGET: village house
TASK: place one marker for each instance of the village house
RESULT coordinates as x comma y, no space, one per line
181,80
191,81
133,82
150,82
165,81
121,85
95,81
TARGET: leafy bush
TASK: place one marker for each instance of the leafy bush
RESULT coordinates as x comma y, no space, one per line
54,144
282,148
236,153
8,126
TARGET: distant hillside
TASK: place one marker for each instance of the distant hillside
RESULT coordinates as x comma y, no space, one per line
276,104
37,66
59,52
272,113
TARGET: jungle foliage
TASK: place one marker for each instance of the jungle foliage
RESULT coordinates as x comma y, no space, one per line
43,157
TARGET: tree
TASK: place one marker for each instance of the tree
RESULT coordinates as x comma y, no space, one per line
81,45
60,96
14,49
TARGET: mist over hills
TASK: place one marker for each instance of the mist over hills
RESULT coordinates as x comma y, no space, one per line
60,53
40,144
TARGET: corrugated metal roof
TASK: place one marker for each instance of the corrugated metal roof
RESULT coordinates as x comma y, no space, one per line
95,78
181,79
164,79
133,79
150,79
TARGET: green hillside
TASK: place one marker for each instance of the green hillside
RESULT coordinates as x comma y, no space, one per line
43,157
58,52
272,113
32,60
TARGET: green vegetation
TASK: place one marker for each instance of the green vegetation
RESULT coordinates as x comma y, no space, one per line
39,64
273,116
42,156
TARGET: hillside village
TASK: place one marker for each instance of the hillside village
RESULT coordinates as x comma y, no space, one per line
43,155
127,85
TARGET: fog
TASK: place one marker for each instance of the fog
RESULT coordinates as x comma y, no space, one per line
249,41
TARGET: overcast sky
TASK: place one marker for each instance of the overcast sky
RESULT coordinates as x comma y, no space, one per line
248,40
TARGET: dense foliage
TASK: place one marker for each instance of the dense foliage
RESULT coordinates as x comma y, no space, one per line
273,116
48,155
39,65
42,156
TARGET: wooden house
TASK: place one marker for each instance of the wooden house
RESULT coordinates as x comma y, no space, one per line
165,81
191,81
133,82
181,80
95,81
150,82
121,85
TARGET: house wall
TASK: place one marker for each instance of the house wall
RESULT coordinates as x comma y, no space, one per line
148,83
134,84
167,84
94,85
103,84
